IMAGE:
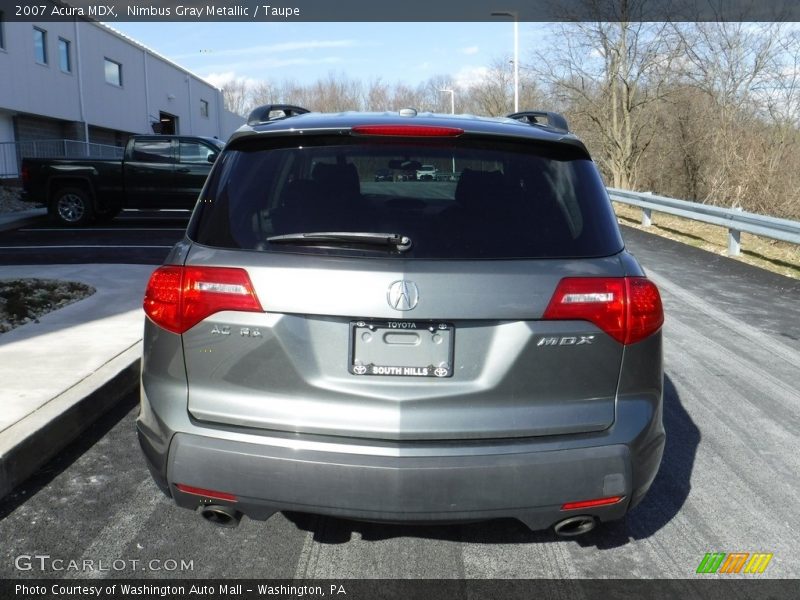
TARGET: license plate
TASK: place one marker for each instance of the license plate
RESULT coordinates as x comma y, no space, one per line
401,348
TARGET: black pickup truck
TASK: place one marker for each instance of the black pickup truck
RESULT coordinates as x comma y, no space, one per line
157,171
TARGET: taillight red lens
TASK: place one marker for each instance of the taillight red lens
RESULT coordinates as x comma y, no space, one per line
645,312
626,308
25,174
178,298
598,300
407,130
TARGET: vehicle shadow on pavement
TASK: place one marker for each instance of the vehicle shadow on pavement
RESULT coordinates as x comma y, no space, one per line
671,487
661,504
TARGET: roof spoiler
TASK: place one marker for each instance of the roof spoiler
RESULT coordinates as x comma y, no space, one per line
545,118
274,112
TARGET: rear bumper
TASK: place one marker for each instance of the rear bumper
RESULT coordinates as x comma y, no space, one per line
524,479
530,486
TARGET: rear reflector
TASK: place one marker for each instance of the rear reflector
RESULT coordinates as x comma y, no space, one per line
591,503
626,308
178,298
188,489
407,130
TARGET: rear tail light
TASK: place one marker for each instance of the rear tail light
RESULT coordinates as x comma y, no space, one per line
407,130
626,308
25,174
178,298
591,503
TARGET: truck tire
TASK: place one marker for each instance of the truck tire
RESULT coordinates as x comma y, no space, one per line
71,206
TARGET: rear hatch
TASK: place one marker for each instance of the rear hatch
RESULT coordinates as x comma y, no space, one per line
417,310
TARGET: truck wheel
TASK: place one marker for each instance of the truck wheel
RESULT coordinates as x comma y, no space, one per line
71,206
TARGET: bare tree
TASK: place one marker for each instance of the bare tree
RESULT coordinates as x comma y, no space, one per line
607,74
235,93
377,96
494,96
404,96
336,93
265,92
738,67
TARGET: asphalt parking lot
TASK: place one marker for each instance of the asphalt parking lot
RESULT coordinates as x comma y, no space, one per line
134,237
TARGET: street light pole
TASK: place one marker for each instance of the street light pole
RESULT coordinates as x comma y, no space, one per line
514,15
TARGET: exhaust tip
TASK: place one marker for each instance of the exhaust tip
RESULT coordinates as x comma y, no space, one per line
575,526
222,516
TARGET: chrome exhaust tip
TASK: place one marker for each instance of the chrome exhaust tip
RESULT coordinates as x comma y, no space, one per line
223,516
575,526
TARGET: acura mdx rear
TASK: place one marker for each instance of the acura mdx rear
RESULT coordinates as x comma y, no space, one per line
330,341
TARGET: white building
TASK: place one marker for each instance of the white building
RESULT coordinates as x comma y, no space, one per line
84,81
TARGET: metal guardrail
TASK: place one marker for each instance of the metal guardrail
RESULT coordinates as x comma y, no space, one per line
12,153
735,221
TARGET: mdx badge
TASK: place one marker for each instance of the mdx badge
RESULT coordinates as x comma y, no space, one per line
402,295
572,340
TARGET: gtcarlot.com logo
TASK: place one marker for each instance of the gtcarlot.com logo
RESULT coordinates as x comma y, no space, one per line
47,563
735,562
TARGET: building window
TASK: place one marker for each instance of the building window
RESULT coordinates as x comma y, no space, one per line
64,59
204,108
2,33
113,72
40,45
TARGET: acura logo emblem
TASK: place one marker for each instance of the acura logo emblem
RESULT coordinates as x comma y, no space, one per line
402,295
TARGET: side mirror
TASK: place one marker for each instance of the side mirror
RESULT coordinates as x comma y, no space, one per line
212,158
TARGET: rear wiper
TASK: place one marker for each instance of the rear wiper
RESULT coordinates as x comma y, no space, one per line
400,242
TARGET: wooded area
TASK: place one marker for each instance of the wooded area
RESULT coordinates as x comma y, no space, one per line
708,112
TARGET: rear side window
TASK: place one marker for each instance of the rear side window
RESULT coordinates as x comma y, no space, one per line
476,200
154,151
194,152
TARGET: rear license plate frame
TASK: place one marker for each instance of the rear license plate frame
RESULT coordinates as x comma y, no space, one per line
438,355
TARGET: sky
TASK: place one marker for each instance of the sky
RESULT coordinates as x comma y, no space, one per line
305,52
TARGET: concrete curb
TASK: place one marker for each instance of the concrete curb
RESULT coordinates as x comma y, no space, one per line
31,442
23,218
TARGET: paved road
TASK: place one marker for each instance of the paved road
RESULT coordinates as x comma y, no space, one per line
135,237
729,481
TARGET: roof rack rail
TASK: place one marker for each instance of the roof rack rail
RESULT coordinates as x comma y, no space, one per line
263,114
536,117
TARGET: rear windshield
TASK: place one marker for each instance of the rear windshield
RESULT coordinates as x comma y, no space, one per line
463,199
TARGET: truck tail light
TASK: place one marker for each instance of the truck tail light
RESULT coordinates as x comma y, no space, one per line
25,174
178,298
626,308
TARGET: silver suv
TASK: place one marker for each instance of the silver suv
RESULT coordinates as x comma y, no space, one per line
408,351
